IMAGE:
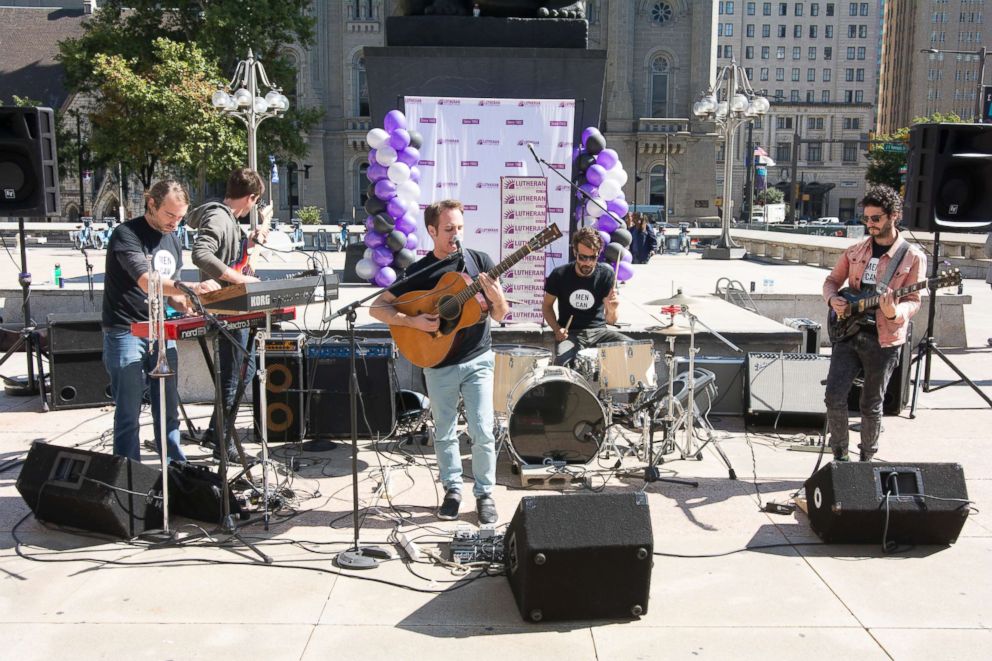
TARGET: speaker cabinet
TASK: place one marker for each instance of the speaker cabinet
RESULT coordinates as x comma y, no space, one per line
787,383
29,184
950,166
79,378
860,502
285,404
329,407
89,490
352,254
580,557
729,372
898,391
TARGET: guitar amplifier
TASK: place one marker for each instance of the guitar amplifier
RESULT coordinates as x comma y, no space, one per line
786,383
811,332
328,410
729,372
898,390
285,403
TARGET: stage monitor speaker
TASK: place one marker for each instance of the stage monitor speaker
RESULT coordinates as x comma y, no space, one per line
352,254
580,557
862,502
29,183
328,365
947,179
786,383
729,373
285,405
898,391
78,376
91,490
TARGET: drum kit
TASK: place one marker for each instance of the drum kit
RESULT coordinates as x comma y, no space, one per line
555,418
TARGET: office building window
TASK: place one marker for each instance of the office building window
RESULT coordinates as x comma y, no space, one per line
850,154
780,53
848,96
661,69
728,30
766,9
781,31
863,31
361,88
766,30
763,73
794,96
783,152
852,31
852,123
859,75
749,30
749,52
861,52
811,53
765,50
859,96
828,53
849,75
749,72
810,75
798,9
810,96
852,8
797,52
864,8
750,9
826,75
814,9
830,9
783,8
780,74
815,123
825,96
783,123
813,31
795,74
850,52
814,152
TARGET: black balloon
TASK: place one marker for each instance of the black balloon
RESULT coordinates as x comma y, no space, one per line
595,143
584,160
404,258
613,253
416,140
383,223
621,236
396,240
370,190
374,206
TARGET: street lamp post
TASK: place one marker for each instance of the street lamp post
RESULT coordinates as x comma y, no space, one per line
248,106
729,102
982,53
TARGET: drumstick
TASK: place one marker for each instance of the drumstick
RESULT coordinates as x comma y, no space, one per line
569,322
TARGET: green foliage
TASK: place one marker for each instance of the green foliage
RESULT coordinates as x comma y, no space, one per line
120,52
884,167
769,196
309,215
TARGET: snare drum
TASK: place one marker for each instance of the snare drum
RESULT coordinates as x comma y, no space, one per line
586,363
624,365
554,416
513,363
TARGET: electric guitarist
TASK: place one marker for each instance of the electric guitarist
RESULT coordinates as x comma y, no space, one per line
466,371
218,254
882,263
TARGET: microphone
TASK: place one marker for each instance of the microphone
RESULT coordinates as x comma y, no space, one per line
530,146
458,243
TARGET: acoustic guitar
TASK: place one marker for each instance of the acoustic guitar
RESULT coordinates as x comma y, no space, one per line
841,327
458,302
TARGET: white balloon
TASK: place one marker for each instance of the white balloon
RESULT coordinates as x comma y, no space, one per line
593,210
398,173
620,175
408,191
366,269
367,254
609,189
376,137
385,156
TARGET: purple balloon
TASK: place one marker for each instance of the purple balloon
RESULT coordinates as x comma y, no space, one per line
412,242
385,189
604,237
414,174
618,206
393,120
382,255
385,277
624,272
399,139
370,224
596,174
626,256
575,152
406,223
410,156
396,207
588,189
374,239
372,155
376,172
607,223
608,158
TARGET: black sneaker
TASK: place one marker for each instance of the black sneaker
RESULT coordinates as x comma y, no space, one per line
449,506
866,456
487,509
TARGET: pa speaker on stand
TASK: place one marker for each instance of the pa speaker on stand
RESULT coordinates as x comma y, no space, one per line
29,184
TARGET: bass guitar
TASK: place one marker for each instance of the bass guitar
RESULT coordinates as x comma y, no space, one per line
458,302
844,326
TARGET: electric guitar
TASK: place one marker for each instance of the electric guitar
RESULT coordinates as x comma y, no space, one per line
249,250
844,326
458,303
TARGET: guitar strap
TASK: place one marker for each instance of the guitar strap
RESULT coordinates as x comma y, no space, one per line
893,266
471,267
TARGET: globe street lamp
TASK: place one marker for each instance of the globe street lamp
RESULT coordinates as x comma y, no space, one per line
729,102
246,104
982,53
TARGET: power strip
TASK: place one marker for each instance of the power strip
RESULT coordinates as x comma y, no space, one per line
409,546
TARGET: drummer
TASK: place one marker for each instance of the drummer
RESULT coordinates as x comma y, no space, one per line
587,299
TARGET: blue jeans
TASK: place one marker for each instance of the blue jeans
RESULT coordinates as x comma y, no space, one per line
230,375
128,361
474,382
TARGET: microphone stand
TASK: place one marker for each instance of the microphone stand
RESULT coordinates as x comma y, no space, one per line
358,556
89,271
588,198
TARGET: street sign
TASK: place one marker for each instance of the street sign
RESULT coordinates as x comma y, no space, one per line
896,147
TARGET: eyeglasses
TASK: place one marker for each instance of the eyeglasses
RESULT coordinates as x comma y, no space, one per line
874,218
586,258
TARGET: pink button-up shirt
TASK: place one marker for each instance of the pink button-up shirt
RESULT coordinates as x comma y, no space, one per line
850,268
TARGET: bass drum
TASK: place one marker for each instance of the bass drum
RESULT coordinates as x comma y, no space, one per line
554,416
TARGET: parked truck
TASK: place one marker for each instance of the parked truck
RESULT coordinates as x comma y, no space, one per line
769,213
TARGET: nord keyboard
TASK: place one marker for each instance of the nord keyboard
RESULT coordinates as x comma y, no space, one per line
188,328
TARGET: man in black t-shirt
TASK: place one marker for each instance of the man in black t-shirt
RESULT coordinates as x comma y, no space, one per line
587,299
466,371
125,300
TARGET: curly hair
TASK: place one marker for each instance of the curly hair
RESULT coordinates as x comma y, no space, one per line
883,196
588,237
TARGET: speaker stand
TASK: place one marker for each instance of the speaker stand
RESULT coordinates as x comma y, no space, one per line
29,338
928,346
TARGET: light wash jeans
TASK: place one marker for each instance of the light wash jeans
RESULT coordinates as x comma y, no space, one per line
128,361
474,382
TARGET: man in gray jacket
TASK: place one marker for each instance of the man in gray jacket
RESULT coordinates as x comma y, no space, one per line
216,251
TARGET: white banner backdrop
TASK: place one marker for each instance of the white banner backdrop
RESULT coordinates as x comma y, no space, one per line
469,144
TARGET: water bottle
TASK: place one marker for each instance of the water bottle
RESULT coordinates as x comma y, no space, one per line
766,285
57,276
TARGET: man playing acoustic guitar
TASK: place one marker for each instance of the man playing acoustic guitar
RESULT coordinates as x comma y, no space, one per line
881,263
467,370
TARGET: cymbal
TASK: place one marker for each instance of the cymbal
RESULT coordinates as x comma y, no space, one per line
678,299
675,329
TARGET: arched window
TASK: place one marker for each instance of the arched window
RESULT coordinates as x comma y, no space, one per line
72,213
658,184
361,88
361,187
661,67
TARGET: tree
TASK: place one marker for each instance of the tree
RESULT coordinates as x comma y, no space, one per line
769,196
222,31
887,167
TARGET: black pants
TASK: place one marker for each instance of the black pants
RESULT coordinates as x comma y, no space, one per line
589,337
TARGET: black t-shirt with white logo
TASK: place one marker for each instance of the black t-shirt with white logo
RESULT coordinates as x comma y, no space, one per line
124,301
580,299
870,277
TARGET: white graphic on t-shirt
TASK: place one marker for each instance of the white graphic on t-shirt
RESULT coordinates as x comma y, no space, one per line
871,272
581,299
165,263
